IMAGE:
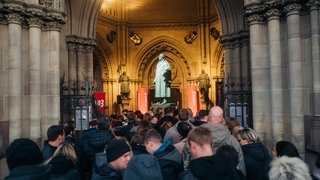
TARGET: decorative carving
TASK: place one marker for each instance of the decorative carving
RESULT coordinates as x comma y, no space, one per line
235,40
291,9
273,13
46,3
14,18
53,26
35,22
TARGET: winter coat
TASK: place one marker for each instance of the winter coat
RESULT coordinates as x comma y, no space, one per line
143,167
257,160
30,172
47,150
211,167
222,136
102,170
170,160
83,158
63,168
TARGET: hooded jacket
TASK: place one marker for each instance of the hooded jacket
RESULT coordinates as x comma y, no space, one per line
257,160
222,136
211,167
103,170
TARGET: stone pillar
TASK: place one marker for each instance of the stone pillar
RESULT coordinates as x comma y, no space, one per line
260,70
35,25
53,81
275,74
15,75
315,35
72,66
295,75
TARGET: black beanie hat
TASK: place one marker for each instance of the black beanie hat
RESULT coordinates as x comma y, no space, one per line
22,152
116,148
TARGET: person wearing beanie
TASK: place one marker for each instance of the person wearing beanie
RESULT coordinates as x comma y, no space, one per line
24,160
143,167
112,163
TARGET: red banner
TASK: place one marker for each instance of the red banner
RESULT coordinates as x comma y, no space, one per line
193,99
99,100
143,100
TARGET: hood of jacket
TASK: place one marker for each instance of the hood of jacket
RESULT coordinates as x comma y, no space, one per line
256,151
100,139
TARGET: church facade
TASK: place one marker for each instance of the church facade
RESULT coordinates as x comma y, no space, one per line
267,51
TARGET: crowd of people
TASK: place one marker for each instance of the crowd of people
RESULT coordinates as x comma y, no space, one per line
171,145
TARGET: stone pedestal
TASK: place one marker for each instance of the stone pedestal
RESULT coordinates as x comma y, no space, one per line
158,107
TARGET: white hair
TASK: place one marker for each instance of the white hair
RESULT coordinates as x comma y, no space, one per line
289,168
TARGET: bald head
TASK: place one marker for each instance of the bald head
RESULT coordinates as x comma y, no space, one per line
216,115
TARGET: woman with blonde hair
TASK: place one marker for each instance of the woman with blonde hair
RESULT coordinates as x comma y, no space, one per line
256,156
63,163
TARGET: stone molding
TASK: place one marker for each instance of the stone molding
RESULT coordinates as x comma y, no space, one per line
231,41
262,12
54,19
35,22
76,43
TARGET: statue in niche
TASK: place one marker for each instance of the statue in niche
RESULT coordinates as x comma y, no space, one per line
124,81
204,84
162,79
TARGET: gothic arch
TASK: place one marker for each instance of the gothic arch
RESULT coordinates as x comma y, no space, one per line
148,55
103,55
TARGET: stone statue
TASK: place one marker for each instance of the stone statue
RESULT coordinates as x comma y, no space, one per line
204,83
124,81
162,79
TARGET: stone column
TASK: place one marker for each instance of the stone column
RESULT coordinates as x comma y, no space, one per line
15,75
260,70
275,74
35,25
315,35
295,75
72,61
53,81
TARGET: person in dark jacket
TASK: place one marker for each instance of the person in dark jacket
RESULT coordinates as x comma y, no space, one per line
169,158
205,165
56,137
63,163
256,155
111,164
143,167
24,160
83,160
125,131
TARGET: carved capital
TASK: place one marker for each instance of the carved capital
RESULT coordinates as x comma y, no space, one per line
313,4
53,26
72,47
255,18
14,18
273,13
293,8
35,22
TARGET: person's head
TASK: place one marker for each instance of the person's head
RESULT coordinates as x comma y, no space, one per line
183,129
21,152
202,71
152,140
124,73
216,115
203,115
229,153
285,148
104,123
184,114
118,153
93,124
200,142
235,130
246,136
69,129
190,113
231,123
131,117
292,168
161,56
136,139
64,150
168,111
56,135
